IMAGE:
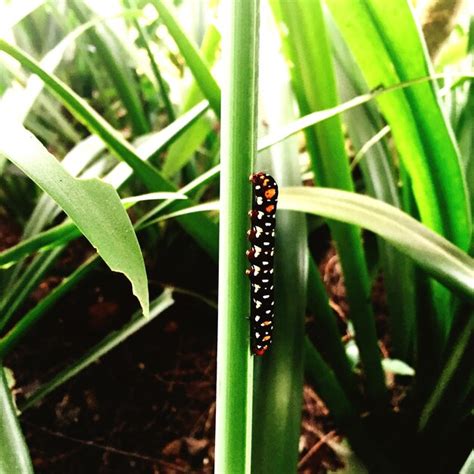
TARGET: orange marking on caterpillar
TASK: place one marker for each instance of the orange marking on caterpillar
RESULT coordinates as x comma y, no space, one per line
269,208
269,193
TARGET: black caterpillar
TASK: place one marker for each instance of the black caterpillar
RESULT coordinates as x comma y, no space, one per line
261,256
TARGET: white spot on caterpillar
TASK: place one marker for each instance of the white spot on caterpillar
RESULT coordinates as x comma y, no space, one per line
256,250
259,200
257,318
256,287
266,297
258,186
257,335
256,269
257,303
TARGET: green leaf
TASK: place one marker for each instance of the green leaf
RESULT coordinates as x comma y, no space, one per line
464,125
181,152
116,177
201,73
450,367
364,123
443,260
279,374
437,256
385,41
65,232
14,455
468,467
239,147
93,205
20,281
306,47
330,343
51,238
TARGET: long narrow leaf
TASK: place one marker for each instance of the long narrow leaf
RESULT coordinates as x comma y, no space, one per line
386,43
14,456
279,374
234,367
447,373
436,255
306,46
65,232
180,153
331,345
93,205
201,73
96,124
381,182
425,247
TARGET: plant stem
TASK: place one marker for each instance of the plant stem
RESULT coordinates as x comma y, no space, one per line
234,365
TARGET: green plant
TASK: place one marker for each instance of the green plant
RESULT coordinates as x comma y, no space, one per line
359,73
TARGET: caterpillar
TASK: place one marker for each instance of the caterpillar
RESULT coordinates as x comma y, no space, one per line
261,257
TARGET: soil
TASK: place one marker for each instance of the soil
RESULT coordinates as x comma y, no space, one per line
148,406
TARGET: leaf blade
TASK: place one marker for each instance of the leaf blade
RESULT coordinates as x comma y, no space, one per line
92,204
14,455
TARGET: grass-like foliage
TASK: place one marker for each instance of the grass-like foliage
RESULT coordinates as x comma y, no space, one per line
101,110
